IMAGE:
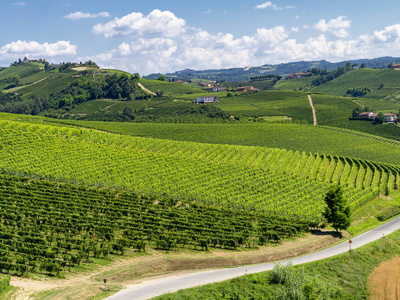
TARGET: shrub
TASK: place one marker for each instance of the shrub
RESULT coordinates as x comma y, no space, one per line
388,213
4,283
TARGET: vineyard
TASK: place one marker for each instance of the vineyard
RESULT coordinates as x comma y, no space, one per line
274,181
49,227
321,139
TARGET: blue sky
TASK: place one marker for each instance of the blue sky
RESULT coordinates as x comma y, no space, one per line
166,36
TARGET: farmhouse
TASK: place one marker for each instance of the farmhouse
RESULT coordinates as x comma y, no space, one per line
207,99
396,66
390,118
297,75
215,89
366,114
244,89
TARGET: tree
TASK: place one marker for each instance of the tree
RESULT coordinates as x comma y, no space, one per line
337,211
379,118
162,78
356,112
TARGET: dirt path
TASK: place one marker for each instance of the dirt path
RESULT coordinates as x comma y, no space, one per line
24,86
390,95
313,110
147,90
127,271
111,105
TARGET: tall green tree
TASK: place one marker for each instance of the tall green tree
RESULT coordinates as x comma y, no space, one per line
337,210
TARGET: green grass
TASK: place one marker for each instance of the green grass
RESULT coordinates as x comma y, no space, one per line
169,88
294,84
335,111
365,218
388,105
346,273
92,106
53,83
269,103
370,78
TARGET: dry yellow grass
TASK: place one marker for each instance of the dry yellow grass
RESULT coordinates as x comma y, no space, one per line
384,281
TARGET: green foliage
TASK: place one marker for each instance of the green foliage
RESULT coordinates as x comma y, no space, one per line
53,225
388,213
332,75
268,103
379,119
358,92
4,283
369,78
294,137
342,277
337,211
259,179
335,111
169,88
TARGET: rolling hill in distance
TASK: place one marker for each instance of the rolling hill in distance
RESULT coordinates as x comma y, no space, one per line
103,171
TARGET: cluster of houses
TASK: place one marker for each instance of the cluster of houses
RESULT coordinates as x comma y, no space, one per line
215,89
207,99
297,75
389,118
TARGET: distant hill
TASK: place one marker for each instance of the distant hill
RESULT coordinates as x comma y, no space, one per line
243,74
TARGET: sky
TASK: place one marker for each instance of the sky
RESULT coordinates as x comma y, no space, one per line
165,36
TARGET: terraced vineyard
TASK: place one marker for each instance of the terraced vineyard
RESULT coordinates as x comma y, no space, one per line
273,181
47,227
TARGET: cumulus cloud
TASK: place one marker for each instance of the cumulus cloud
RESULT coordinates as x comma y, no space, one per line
338,27
19,3
273,6
81,15
167,44
157,23
34,49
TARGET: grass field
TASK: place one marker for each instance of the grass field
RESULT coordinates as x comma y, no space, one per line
294,84
347,275
370,78
270,103
335,111
169,88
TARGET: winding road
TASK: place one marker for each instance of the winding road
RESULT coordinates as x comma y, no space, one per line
153,288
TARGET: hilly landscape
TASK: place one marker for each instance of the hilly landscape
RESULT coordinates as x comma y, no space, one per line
106,174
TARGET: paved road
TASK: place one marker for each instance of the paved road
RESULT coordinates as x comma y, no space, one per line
153,288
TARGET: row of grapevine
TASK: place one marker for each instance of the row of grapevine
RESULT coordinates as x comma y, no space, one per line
230,176
48,227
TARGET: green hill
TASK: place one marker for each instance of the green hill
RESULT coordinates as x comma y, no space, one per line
370,78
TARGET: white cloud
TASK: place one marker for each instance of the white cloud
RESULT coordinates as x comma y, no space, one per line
166,44
34,49
338,27
273,6
19,3
81,15
208,11
157,23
